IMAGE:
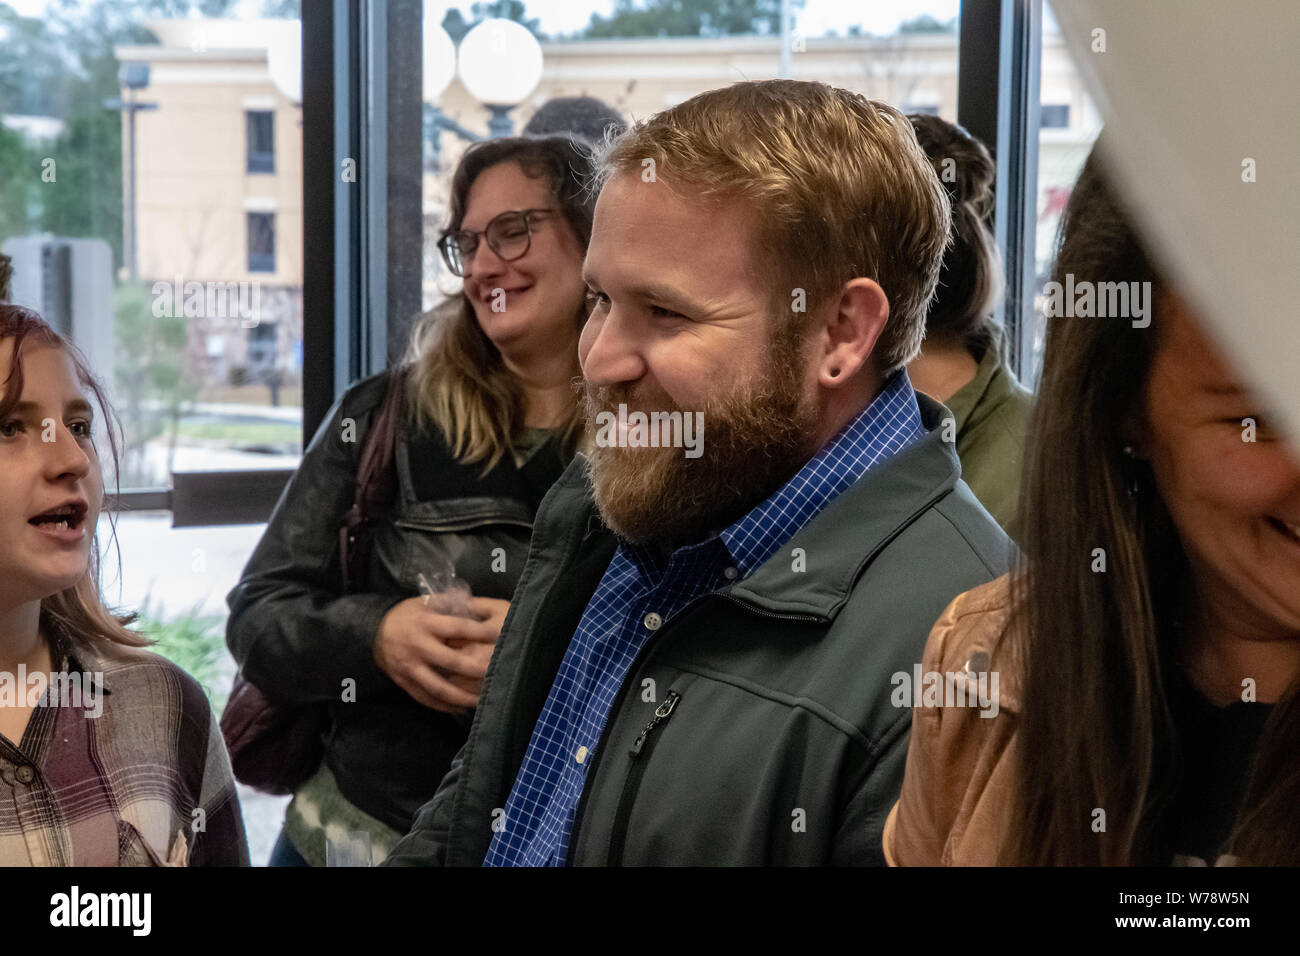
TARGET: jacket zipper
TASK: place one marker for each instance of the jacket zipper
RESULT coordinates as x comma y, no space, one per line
640,753
642,657
754,609
639,661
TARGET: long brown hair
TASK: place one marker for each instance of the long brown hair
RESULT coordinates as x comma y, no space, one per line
1096,648
79,610
458,379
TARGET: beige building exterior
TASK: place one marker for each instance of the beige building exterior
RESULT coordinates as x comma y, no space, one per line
196,193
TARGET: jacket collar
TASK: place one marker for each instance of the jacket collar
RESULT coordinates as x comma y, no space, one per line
852,529
992,385
842,539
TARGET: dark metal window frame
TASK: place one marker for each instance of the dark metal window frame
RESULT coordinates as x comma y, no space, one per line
999,55
362,176
363,224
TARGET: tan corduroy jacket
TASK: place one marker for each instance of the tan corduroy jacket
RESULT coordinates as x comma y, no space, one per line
953,805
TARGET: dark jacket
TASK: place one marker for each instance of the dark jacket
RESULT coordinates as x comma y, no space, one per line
298,638
782,746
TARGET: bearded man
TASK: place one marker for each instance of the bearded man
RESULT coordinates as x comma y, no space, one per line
698,661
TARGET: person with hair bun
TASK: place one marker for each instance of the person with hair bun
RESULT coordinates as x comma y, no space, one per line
961,362
584,116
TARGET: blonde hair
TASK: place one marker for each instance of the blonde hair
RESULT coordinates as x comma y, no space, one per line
458,381
840,185
459,384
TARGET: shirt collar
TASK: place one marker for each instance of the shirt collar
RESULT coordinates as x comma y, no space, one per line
651,562
890,422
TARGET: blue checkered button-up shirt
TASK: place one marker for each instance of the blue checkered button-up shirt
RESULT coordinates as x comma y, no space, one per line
640,592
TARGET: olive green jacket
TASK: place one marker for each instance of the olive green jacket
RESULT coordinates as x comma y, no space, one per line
991,413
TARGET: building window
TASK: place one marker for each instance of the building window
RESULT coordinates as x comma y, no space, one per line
261,242
261,141
261,347
1056,116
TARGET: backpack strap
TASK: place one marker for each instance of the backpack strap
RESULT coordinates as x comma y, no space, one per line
374,483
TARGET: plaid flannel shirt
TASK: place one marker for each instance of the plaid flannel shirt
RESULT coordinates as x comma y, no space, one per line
147,782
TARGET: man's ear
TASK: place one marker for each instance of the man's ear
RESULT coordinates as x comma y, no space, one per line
854,323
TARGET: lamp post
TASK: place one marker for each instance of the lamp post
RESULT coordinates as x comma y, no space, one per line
439,70
500,63
133,76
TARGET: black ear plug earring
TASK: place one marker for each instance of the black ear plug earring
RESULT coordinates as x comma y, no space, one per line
835,373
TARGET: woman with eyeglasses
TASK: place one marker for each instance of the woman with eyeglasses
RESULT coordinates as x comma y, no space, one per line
489,420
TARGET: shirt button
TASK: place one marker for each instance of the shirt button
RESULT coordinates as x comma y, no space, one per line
729,574
24,774
581,755
652,621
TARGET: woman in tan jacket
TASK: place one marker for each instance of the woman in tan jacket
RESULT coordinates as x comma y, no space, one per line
1145,657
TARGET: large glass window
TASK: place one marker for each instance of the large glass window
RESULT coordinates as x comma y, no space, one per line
128,133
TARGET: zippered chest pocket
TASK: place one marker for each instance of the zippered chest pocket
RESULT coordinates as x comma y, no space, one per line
484,540
463,514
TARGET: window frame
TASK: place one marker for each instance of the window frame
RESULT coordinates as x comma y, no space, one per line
999,55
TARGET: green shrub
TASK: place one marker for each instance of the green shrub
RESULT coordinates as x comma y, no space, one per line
192,641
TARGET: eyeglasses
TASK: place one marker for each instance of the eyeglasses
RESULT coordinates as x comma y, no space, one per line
508,235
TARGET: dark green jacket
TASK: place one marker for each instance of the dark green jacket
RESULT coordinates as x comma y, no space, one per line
991,413
783,746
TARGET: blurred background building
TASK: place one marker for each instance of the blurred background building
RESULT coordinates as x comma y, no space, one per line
219,168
